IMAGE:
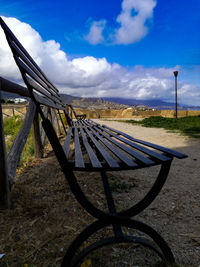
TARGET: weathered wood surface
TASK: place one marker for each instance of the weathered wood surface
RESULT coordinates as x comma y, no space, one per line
18,145
4,184
42,132
56,123
37,137
11,87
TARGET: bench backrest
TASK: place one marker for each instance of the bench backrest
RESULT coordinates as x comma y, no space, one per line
42,91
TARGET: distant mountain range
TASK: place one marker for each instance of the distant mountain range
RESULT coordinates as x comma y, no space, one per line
157,104
112,102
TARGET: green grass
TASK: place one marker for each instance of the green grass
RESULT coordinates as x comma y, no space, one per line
11,129
189,126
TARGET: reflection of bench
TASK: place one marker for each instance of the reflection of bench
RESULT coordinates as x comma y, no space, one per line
97,148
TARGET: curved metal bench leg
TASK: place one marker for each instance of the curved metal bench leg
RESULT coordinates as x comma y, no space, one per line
152,194
117,219
137,208
163,250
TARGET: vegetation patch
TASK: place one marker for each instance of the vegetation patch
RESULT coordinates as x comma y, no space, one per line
189,126
11,128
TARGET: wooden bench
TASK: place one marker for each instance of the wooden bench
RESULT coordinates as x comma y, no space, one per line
97,148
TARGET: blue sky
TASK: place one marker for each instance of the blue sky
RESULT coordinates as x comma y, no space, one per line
140,41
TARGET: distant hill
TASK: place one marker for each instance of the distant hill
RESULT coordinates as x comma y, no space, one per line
157,104
91,102
137,102
118,103
112,102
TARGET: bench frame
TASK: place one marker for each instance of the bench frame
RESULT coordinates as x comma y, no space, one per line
44,93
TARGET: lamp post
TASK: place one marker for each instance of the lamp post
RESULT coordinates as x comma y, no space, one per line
176,106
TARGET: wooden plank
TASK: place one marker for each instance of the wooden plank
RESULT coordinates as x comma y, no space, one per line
93,158
63,125
136,155
79,162
19,142
8,86
56,123
66,146
38,145
121,156
107,157
160,148
153,154
4,181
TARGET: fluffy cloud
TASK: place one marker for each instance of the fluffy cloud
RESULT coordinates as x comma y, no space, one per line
95,35
132,20
89,76
133,26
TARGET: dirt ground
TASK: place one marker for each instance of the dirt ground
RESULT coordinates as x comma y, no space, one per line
45,217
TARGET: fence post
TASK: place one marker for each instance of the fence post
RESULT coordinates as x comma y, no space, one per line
4,184
13,111
37,137
57,123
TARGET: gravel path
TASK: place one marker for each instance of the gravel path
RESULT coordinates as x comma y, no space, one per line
45,216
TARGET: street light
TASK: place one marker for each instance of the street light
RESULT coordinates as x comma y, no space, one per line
176,107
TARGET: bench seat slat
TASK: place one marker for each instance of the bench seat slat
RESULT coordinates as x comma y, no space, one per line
87,123
79,162
129,162
161,148
93,158
153,154
111,162
66,145
136,155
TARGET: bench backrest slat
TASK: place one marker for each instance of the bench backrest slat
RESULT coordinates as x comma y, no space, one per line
36,81
11,36
39,89
47,102
21,55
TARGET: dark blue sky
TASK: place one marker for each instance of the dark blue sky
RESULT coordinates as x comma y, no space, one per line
172,39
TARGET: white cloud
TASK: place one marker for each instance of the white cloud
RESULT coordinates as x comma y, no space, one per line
132,20
91,66
132,26
95,35
90,76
